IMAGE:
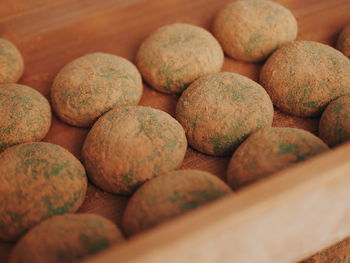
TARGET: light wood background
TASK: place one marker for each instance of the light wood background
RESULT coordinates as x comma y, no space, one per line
51,33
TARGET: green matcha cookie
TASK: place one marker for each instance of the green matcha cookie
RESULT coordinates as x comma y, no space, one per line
130,145
171,195
251,30
175,55
335,122
219,111
270,150
66,238
11,62
302,77
93,84
25,115
37,180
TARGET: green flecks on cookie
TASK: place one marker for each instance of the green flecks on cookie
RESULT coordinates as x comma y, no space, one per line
50,201
224,145
294,149
94,243
253,41
338,108
56,169
312,104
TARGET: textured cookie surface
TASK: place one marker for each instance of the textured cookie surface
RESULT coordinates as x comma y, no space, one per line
219,111
25,115
302,77
338,253
269,151
37,181
175,55
335,122
93,84
343,43
66,238
130,145
251,30
11,62
170,195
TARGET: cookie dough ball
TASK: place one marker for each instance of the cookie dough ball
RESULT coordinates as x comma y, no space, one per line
11,62
66,238
170,195
269,151
175,55
25,115
251,30
93,84
335,122
219,111
344,41
302,77
37,180
130,145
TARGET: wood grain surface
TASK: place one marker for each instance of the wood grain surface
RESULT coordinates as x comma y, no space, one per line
50,33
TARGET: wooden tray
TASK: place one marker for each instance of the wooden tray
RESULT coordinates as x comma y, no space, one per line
282,219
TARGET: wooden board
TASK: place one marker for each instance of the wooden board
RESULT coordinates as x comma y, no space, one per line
51,33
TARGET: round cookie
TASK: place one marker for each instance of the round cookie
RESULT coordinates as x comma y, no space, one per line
251,30
11,62
302,77
343,43
177,54
130,145
335,122
93,84
25,115
269,151
170,195
37,180
219,111
66,238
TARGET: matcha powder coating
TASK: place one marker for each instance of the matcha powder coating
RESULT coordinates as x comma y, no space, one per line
219,111
175,55
25,115
171,195
251,30
130,145
11,62
335,122
302,77
93,84
37,180
66,239
270,150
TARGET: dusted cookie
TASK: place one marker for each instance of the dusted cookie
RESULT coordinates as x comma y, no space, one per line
269,151
93,84
66,238
25,115
130,145
335,122
338,253
170,195
175,55
37,180
219,111
11,62
304,76
344,41
251,30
